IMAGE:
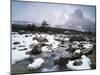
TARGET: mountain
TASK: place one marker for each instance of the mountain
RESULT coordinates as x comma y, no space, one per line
77,21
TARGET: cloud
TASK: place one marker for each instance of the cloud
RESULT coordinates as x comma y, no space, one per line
77,21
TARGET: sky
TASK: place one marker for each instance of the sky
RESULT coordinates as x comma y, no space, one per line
53,13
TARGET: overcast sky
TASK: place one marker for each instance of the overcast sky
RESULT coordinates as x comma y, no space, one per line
53,13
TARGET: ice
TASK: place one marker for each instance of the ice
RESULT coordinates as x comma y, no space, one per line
18,56
55,68
36,64
85,64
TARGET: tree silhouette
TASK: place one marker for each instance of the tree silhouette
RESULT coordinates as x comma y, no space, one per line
44,27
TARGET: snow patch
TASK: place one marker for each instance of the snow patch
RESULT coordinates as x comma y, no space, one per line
85,64
78,51
36,64
18,56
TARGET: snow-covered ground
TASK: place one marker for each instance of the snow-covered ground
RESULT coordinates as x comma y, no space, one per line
21,44
25,40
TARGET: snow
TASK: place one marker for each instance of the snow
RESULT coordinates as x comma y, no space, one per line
35,42
66,39
27,41
23,41
52,41
85,64
18,56
88,45
45,48
36,64
78,51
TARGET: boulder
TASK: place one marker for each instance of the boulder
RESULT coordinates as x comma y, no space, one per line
14,48
16,43
41,39
71,49
36,49
62,58
77,62
76,56
86,51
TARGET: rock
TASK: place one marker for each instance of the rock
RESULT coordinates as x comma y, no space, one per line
26,35
21,32
62,58
43,44
77,62
71,50
81,45
77,38
36,49
27,52
46,48
41,39
88,45
14,48
16,43
21,45
93,40
23,49
76,56
63,61
86,51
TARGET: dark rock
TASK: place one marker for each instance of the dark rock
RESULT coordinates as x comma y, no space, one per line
21,32
86,51
26,35
77,38
81,45
27,52
71,50
63,61
30,35
21,45
92,40
36,49
23,49
62,42
16,43
41,39
93,66
76,56
14,48
62,58
77,62
31,45
43,44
